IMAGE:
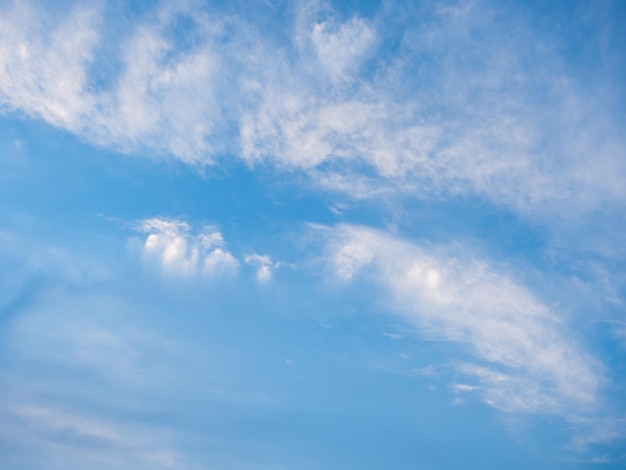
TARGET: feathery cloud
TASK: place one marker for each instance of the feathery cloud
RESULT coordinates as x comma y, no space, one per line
525,359
463,103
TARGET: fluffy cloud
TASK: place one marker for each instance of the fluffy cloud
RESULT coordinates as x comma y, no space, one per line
525,359
178,250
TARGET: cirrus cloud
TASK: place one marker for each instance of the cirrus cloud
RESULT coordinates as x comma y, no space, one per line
526,360
443,107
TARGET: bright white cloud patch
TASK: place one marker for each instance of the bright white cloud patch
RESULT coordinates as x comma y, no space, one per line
526,360
178,250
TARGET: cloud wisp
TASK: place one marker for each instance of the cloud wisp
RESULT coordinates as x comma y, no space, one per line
103,442
87,347
523,358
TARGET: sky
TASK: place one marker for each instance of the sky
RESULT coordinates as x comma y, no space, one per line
308,235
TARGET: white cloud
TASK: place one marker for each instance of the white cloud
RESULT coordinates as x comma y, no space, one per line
165,98
525,358
264,266
43,64
180,251
336,102
219,262
341,47
454,130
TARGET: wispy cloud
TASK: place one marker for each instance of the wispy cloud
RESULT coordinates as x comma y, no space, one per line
87,347
606,430
461,102
524,358
43,64
341,48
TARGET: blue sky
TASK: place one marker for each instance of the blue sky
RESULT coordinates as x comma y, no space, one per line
311,235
